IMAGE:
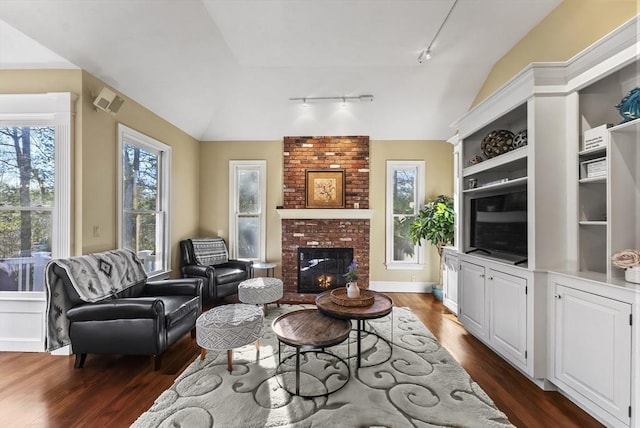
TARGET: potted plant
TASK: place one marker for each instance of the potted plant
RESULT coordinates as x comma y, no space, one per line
434,223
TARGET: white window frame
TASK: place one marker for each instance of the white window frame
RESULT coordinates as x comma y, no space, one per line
234,167
130,136
56,110
419,197
25,311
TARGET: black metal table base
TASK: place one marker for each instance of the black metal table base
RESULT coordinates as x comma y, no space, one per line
361,327
297,355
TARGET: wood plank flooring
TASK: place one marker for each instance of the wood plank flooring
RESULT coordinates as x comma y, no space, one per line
41,390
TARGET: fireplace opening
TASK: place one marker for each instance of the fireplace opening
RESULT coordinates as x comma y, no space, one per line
321,269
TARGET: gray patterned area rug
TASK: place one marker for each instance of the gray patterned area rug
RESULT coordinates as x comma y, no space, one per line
414,383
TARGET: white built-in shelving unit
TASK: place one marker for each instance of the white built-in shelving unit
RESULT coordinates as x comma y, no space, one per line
567,312
608,206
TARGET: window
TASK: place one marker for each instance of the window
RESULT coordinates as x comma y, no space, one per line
247,202
35,143
143,220
405,195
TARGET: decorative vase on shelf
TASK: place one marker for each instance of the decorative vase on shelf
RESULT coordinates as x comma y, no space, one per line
353,292
632,274
629,107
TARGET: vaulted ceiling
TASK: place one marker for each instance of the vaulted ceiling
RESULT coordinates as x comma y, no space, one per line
225,69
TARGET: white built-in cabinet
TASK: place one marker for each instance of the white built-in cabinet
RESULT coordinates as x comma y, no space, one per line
493,307
592,357
562,314
507,295
473,304
450,268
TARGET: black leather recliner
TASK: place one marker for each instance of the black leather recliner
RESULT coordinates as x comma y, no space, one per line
221,278
144,319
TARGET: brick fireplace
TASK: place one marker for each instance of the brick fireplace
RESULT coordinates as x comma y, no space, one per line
345,228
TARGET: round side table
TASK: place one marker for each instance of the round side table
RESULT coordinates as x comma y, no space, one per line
309,331
268,266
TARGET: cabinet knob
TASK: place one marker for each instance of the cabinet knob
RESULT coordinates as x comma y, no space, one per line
558,296
481,275
490,278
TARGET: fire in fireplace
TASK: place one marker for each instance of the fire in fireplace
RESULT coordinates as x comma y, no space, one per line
321,269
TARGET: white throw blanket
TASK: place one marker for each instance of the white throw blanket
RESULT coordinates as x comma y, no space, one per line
94,277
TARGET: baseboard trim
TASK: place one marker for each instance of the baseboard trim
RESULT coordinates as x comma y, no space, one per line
400,287
64,351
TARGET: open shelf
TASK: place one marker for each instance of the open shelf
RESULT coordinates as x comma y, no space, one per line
507,184
592,152
631,127
515,159
602,179
592,223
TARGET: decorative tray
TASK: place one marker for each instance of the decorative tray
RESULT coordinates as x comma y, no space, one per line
339,297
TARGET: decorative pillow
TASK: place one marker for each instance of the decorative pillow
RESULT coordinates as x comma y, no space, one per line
210,251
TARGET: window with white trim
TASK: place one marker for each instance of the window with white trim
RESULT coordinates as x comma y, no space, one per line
247,203
35,207
404,197
144,165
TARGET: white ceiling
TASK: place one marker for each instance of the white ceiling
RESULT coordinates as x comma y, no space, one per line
225,69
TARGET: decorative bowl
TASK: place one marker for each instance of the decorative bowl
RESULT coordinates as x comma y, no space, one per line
496,143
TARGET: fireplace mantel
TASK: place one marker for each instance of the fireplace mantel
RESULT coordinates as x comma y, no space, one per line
325,213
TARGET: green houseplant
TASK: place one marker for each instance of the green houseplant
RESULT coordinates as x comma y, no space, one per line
434,223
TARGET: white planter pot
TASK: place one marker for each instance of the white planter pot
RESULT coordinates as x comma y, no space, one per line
632,274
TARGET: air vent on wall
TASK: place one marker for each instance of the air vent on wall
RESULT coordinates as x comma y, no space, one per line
108,100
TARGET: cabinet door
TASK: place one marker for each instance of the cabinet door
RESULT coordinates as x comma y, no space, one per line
593,348
508,315
472,298
450,283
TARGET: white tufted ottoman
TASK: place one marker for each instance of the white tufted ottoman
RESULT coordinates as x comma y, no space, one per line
227,327
260,291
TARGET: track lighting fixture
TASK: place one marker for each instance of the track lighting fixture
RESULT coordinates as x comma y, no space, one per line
343,100
425,54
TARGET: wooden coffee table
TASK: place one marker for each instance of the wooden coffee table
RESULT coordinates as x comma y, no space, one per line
382,306
308,330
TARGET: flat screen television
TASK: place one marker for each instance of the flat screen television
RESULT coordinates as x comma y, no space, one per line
499,223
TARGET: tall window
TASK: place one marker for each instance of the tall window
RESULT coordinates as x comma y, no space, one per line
405,195
144,198
247,202
35,143
27,172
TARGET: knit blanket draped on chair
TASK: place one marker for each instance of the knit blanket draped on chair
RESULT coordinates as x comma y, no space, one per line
210,251
94,277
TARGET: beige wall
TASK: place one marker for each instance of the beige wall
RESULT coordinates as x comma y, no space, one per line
94,158
98,163
214,188
214,193
438,157
567,30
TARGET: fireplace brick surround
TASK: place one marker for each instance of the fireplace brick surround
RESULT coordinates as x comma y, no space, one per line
350,154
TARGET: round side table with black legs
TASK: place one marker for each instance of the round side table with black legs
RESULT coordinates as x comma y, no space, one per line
309,331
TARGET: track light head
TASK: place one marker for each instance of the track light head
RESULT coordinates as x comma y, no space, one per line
425,55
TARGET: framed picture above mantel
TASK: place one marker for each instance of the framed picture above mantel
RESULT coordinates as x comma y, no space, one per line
325,188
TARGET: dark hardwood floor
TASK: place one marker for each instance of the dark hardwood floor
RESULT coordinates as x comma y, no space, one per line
40,390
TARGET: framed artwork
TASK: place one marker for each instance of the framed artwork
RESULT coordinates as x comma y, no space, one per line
325,188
